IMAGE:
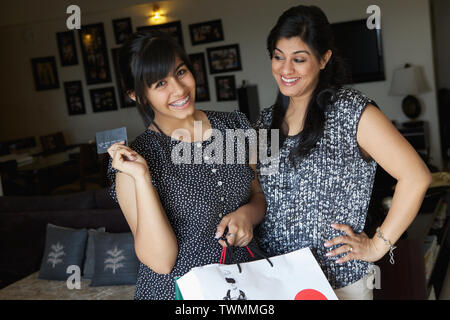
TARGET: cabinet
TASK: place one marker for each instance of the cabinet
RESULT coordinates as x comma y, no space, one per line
249,101
407,278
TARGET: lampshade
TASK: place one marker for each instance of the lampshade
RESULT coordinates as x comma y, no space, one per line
408,81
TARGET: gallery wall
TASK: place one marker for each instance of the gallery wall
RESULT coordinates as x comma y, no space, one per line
27,112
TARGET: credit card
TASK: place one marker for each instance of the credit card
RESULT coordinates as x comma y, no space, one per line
107,138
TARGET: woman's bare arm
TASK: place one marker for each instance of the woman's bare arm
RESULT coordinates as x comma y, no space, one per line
154,240
378,137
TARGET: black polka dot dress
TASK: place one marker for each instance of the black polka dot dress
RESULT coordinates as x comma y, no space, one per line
195,197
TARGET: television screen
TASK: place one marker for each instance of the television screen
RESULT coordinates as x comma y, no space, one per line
361,49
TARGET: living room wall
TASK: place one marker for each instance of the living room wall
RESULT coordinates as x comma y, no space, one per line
406,32
441,13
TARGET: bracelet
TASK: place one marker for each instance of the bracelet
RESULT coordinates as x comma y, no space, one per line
391,247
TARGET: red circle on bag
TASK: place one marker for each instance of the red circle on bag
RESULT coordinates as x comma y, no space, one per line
310,294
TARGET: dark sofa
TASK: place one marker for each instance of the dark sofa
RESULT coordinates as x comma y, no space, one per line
23,223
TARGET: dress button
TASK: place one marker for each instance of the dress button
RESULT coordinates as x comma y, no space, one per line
199,145
206,158
214,170
219,183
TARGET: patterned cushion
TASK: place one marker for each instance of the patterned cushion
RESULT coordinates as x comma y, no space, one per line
63,247
88,268
115,259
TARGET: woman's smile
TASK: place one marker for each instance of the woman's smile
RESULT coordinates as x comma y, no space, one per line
181,103
289,81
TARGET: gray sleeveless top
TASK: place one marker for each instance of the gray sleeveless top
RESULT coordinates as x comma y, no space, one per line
332,184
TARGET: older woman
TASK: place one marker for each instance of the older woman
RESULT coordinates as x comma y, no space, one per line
331,140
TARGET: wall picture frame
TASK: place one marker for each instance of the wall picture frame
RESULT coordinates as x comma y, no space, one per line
45,73
67,48
74,97
201,76
54,141
124,99
95,54
172,28
206,32
103,99
226,88
224,58
122,29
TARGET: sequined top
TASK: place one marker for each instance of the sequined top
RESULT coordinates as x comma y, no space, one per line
332,184
195,197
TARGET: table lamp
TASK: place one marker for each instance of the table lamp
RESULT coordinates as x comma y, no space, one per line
409,81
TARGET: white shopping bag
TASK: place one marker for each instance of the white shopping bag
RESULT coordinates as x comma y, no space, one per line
292,276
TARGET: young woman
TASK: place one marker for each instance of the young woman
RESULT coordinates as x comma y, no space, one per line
177,211
331,139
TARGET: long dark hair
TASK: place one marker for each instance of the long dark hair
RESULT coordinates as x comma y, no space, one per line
311,25
145,58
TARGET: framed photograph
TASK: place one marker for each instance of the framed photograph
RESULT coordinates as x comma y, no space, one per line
103,99
67,49
125,101
172,28
201,76
122,29
95,55
205,32
53,141
44,73
226,88
224,59
74,97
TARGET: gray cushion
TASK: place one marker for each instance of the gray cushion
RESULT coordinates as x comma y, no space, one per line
115,259
63,247
89,259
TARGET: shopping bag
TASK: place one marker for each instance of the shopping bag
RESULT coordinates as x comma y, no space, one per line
292,276
178,295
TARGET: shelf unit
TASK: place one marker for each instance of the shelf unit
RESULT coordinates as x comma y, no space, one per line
406,279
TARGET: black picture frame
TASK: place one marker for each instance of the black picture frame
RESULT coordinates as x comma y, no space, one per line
45,73
54,141
122,29
67,48
125,100
103,99
206,32
172,28
226,88
74,97
95,54
201,76
224,58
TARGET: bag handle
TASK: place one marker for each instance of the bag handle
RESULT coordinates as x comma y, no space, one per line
229,258
256,250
